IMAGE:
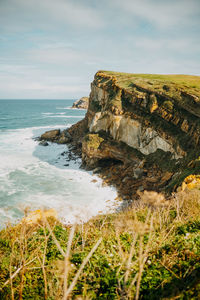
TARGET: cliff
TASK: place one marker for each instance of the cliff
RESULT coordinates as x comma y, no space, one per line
143,130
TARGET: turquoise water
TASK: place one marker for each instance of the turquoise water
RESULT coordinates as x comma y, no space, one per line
33,176
16,114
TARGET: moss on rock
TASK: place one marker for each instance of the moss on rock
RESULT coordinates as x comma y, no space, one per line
93,140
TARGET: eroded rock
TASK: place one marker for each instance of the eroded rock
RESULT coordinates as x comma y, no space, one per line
50,135
55,136
81,103
128,123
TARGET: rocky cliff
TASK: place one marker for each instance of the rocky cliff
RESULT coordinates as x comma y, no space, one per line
142,130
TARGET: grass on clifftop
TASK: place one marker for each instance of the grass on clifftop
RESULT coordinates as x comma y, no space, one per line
189,81
151,251
170,85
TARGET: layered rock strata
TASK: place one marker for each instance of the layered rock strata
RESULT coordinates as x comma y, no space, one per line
142,132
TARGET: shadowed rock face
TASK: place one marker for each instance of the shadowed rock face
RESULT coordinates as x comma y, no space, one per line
81,103
149,126
140,117
143,133
133,133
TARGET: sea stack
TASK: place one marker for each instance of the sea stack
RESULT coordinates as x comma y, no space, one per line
82,103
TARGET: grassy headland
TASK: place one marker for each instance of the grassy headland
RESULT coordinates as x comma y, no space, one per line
157,81
150,250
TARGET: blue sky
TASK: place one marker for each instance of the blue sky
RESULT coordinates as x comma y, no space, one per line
51,49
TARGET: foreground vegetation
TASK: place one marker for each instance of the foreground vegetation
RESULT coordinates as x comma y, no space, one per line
150,251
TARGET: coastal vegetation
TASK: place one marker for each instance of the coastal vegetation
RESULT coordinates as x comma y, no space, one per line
141,135
149,251
157,81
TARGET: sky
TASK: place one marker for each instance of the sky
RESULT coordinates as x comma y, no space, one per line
51,49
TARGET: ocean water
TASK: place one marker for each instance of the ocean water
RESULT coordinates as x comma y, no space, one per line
37,177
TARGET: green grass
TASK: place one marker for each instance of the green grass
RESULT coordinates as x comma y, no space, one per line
187,81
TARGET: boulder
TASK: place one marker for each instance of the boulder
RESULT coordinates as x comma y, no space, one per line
50,135
65,137
43,143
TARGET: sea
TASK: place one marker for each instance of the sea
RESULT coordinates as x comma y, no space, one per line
34,177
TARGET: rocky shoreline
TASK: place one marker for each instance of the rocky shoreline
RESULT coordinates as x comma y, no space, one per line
128,178
136,138
148,251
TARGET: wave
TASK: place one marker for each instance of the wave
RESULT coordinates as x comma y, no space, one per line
48,113
61,116
67,107
40,177
71,108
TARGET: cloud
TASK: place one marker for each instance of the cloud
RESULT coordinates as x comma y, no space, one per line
15,86
56,56
52,48
163,14
166,44
24,15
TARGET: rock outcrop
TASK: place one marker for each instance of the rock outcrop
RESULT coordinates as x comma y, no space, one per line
81,103
50,135
55,136
142,131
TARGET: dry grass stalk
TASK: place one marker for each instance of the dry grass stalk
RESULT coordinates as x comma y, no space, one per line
42,263
128,265
67,290
22,252
11,280
143,252
54,238
72,285
66,261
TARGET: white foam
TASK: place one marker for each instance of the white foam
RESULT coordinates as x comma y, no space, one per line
35,176
48,113
70,107
67,107
59,116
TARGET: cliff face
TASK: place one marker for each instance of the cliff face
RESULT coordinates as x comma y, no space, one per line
142,120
